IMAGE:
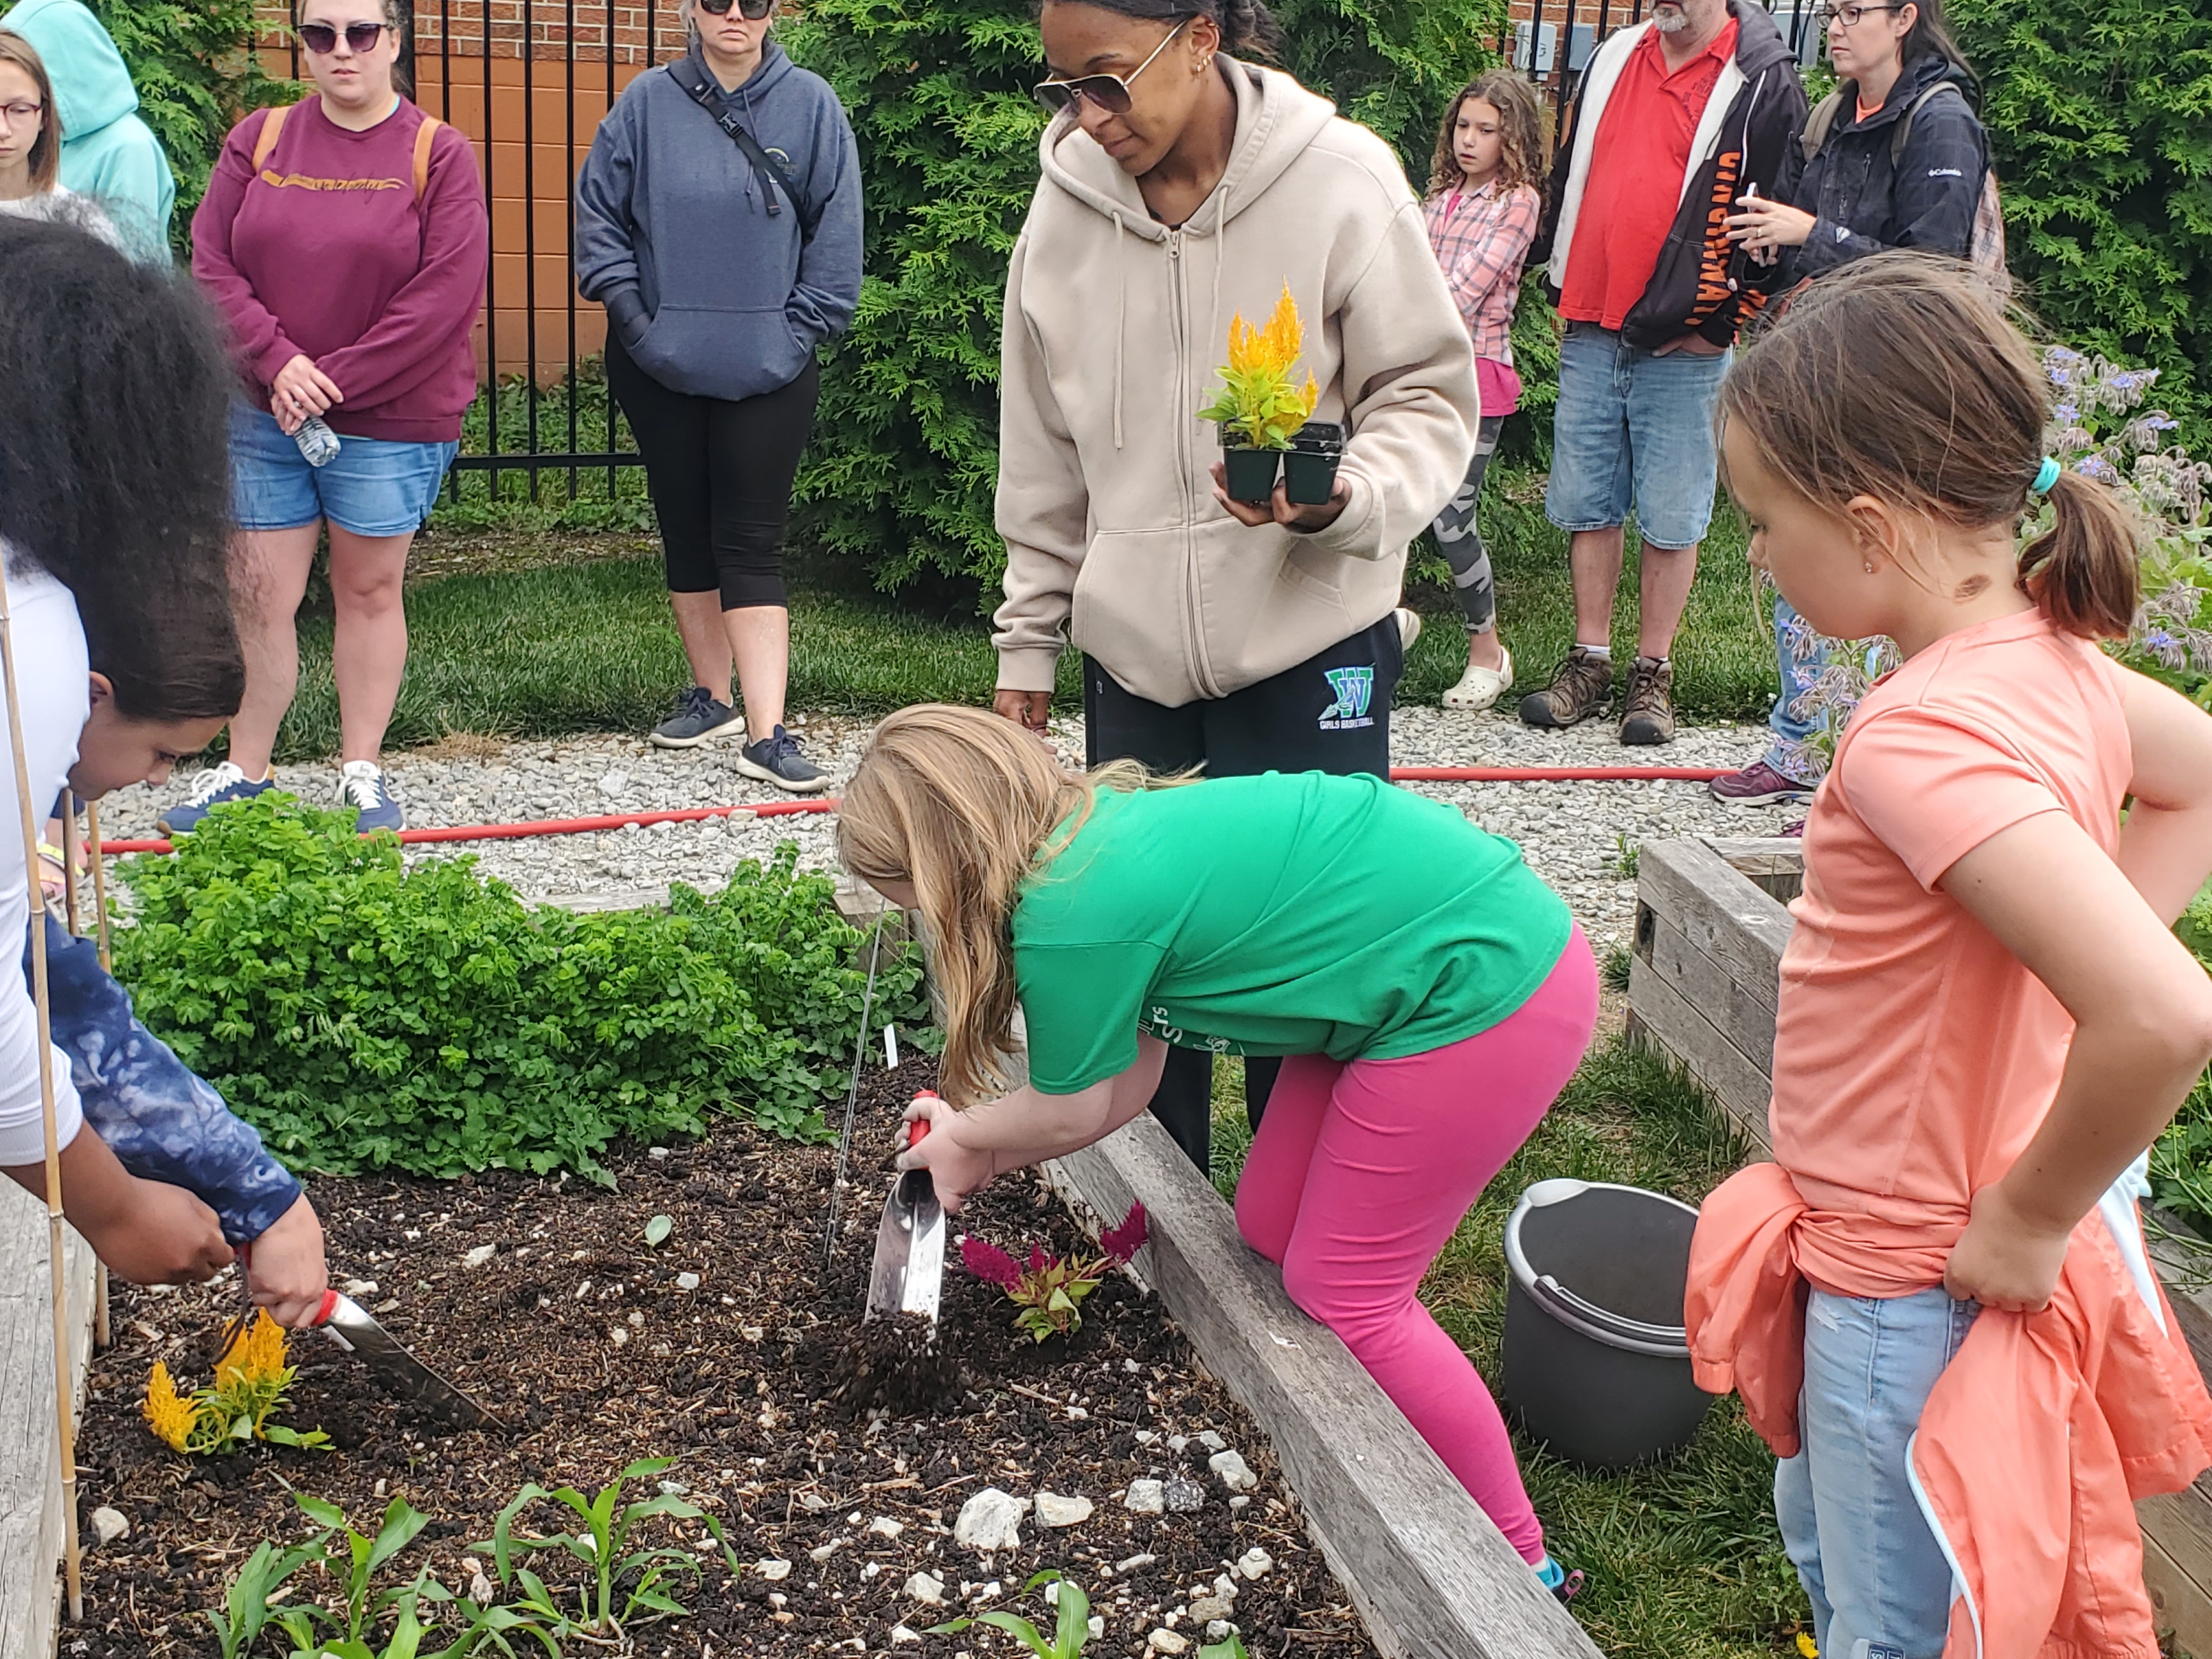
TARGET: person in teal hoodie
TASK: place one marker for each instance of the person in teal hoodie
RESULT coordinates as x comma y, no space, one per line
108,152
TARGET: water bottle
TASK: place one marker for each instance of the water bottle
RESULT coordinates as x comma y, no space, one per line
317,442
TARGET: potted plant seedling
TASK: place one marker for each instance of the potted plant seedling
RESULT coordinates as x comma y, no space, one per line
1263,409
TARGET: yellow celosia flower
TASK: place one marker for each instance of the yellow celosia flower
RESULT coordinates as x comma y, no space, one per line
1807,1647
256,1355
169,1414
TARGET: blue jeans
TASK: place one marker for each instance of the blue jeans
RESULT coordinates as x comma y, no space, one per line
1879,1585
1633,430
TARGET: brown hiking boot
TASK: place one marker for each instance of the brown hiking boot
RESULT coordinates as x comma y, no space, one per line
1648,716
1581,686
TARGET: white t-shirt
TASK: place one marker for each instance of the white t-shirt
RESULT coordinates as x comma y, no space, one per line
51,670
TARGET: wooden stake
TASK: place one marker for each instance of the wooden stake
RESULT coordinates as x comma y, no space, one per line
72,855
65,1414
103,1333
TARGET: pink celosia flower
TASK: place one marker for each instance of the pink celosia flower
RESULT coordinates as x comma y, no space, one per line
989,1263
1123,1242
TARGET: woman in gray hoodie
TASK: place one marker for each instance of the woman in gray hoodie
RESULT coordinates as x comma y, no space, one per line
1183,186
718,219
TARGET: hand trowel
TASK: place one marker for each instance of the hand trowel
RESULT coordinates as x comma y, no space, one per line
348,1324
908,1274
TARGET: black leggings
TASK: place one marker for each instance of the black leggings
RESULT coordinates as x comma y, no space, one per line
1288,722
720,476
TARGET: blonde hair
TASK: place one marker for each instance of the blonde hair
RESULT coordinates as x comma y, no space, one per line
1901,377
964,804
47,148
1520,132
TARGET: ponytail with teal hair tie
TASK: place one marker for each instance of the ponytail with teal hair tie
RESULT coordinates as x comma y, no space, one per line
2046,476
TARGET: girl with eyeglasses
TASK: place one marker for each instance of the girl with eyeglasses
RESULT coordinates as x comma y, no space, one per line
718,219
345,241
1900,165
31,145
1185,183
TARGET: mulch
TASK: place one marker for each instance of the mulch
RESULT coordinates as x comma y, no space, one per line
577,1336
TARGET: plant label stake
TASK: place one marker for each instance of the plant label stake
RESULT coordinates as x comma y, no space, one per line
851,1102
907,1276
348,1324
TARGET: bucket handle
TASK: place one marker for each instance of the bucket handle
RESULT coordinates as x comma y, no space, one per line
1672,1334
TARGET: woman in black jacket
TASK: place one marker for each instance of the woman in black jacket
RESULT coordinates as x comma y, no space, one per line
1901,164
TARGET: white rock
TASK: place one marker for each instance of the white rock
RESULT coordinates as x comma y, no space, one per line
777,1598
1167,1641
991,1520
478,1256
1178,1442
618,1335
1134,1562
1225,1588
1209,1608
1097,1627
656,1153
108,1524
825,1551
674,1489
1212,1441
355,1288
1146,1437
1240,1502
774,1571
1256,1562
1052,1594
613,784
1220,1630
900,1634
637,1322
989,1592
884,1527
687,1281
1236,1474
927,1589
871,1569
1054,1510
1146,1497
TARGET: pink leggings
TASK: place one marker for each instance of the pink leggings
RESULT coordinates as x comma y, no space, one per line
1360,1174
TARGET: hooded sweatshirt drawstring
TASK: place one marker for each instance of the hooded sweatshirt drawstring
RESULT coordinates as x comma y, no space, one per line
1220,258
1121,323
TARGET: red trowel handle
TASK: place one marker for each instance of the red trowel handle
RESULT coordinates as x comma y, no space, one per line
323,1313
919,1127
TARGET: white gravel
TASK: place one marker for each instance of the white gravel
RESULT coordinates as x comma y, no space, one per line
1572,833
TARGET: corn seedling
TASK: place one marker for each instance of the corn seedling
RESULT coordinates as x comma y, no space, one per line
252,1381
622,1584
1070,1633
1260,397
1049,1289
246,1606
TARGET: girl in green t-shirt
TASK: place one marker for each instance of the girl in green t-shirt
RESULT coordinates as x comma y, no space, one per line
1431,997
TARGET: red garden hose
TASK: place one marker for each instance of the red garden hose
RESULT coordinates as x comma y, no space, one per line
776,809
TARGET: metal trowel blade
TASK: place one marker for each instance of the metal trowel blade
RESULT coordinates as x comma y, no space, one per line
348,1324
908,1274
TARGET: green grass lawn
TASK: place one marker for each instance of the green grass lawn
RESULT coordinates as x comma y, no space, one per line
1682,1560
588,645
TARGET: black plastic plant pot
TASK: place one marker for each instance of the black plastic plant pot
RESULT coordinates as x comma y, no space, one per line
1251,472
1309,467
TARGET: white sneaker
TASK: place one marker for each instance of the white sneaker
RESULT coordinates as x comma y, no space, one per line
1409,628
1479,687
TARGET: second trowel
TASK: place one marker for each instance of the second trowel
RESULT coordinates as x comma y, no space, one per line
907,1275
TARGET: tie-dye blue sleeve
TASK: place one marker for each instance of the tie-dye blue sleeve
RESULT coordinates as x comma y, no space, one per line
162,1122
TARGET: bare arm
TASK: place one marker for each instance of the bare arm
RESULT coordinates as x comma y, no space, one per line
2143,1013
964,1151
2165,849
149,1232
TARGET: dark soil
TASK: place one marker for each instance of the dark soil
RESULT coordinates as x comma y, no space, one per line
579,1340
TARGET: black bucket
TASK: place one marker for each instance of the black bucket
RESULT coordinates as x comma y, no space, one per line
1596,1362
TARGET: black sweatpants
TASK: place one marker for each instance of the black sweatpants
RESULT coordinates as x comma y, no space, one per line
720,476
1329,714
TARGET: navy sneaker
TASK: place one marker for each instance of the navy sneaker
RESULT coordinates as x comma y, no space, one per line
699,717
362,785
218,784
775,759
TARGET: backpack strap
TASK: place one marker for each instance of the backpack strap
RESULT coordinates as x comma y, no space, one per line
264,142
1901,134
425,135
686,74
1815,131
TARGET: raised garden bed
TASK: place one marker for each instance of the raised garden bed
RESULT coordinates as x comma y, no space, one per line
30,1465
1710,928
737,1379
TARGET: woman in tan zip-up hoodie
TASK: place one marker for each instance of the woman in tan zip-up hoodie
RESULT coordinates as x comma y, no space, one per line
1183,186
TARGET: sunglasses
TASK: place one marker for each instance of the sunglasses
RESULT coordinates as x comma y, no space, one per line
322,39
753,9
1108,92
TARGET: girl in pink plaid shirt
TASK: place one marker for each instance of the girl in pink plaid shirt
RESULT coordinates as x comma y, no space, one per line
1482,211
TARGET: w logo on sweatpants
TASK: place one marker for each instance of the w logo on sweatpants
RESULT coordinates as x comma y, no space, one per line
1355,690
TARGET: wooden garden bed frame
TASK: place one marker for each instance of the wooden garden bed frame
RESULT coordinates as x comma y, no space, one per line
1703,984
30,1460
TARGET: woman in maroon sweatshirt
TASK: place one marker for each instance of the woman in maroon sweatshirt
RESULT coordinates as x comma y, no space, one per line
345,240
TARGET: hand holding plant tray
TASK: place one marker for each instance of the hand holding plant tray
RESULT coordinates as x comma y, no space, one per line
1263,412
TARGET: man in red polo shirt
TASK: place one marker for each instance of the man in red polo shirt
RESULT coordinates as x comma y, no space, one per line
1679,117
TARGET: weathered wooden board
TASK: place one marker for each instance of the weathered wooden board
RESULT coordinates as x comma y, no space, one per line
30,1462
2178,1565
1660,1018
1720,912
1431,1575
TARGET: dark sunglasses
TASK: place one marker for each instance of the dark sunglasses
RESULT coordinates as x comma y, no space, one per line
322,39
755,9
1108,92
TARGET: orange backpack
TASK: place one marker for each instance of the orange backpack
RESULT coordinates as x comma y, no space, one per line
265,144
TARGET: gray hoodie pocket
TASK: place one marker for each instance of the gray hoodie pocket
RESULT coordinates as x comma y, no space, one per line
713,352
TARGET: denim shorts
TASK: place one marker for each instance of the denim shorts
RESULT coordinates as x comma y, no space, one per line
1879,1582
1633,430
375,487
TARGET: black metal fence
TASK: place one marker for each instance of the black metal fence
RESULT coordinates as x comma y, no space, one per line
487,67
